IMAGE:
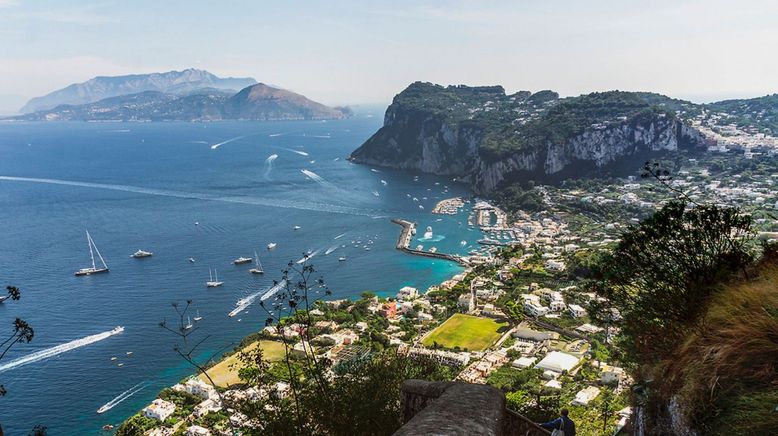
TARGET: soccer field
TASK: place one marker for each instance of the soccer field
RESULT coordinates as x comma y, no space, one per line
467,332
225,373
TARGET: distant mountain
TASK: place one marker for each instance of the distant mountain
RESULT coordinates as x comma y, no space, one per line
257,102
99,88
263,102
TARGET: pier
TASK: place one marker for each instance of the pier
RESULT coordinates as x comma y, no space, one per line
404,244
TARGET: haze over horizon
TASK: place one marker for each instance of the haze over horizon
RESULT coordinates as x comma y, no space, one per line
355,53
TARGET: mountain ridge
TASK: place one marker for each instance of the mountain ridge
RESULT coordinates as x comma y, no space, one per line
491,139
101,87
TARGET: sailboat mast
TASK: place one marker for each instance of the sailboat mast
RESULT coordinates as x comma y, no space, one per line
91,254
98,254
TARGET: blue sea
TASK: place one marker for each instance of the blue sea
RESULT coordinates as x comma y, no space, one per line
145,186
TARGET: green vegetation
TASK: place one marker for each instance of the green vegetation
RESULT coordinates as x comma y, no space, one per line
465,332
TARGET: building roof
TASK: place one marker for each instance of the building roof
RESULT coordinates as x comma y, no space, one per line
557,361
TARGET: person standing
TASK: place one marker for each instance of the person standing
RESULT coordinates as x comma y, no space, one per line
562,426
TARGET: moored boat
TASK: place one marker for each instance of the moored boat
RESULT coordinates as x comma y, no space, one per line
94,269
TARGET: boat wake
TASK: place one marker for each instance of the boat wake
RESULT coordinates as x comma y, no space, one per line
217,145
313,176
263,295
59,349
301,153
339,236
312,206
331,249
121,397
269,164
309,256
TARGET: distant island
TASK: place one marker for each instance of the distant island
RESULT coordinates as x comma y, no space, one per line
189,95
492,139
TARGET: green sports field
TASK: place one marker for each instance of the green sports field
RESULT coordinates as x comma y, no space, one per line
466,332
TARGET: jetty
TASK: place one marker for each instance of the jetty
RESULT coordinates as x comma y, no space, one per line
404,244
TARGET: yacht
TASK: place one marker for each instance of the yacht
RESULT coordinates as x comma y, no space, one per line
198,317
296,228
241,260
191,260
213,282
342,259
142,253
271,245
428,233
257,266
94,269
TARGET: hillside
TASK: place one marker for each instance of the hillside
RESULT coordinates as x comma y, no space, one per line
491,139
257,102
102,87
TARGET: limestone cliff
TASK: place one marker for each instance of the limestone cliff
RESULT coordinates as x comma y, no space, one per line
491,139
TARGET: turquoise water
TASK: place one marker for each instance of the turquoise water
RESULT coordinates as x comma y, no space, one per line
144,186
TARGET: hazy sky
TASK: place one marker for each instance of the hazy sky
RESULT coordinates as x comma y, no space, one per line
363,51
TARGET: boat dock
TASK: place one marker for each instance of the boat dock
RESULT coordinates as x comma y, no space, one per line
404,243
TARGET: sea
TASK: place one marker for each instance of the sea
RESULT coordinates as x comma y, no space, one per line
211,192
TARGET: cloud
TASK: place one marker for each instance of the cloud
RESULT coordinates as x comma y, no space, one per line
8,3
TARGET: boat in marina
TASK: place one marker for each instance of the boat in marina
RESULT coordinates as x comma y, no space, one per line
257,266
141,254
241,260
198,317
271,245
213,282
428,234
92,250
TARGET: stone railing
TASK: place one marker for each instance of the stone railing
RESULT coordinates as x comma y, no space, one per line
458,408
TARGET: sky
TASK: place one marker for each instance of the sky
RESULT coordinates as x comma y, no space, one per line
363,51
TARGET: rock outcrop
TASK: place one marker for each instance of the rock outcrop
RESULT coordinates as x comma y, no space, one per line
490,139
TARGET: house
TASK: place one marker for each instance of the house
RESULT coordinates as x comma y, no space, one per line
611,374
577,311
196,430
555,265
159,409
523,362
209,405
534,335
588,328
586,395
553,384
558,362
388,310
557,305
424,317
534,309
466,302
408,293
197,387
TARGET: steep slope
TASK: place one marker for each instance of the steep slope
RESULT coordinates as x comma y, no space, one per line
263,102
491,139
99,88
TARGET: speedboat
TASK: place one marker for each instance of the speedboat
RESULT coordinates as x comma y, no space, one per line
296,228
271,245
342,259
242,260
142,253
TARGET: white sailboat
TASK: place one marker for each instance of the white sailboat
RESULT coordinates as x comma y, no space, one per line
213,282
198,317
258,266
94,269
189,324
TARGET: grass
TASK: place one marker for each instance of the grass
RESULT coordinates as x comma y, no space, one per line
727,371
466,332
225,373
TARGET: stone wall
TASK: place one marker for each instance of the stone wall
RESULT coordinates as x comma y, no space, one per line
458,408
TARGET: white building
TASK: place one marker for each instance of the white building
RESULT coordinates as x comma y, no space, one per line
558,362
408,293
209,405
159,409
196,430
523,362
577,311
534,309
586,395
197,387
557,305
611,374
555,265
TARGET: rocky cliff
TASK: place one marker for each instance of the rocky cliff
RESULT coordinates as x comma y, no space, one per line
491,139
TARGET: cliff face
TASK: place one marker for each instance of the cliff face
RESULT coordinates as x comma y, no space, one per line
491,139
